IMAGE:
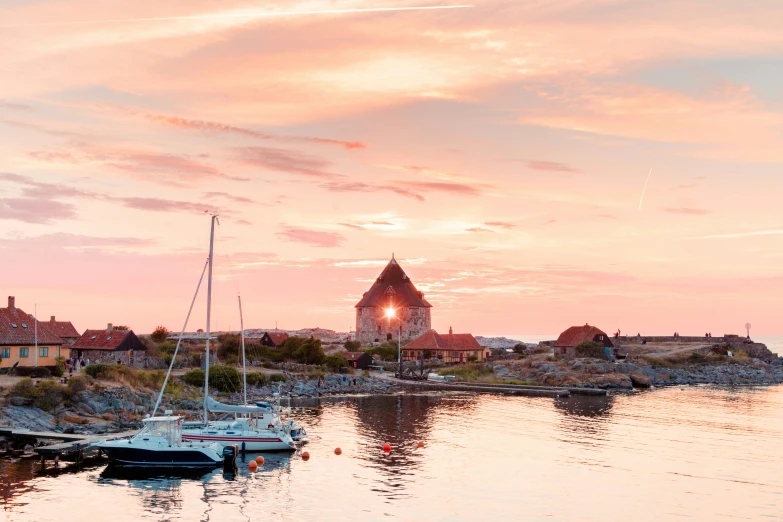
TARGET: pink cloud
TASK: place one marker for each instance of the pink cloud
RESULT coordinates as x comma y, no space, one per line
442,186
288,161
549,166
35,210
358,186
500,224
311,237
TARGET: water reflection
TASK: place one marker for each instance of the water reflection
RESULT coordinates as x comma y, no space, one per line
594,407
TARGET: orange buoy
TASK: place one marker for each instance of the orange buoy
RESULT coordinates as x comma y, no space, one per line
338,451
252,465
260,460
305,456
421,444
387,447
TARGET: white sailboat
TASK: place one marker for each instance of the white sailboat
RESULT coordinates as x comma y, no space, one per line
247,428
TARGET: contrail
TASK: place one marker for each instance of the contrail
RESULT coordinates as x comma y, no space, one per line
262,14
645,188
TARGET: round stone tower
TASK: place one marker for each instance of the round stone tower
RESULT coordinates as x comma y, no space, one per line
392,290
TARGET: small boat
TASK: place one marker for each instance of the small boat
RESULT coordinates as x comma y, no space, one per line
255,427
160,444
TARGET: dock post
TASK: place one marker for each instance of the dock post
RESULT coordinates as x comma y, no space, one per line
43,462
57,461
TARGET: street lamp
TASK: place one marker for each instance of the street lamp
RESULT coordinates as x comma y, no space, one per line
390,312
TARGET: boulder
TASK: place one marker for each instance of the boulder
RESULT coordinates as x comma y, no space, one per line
639,380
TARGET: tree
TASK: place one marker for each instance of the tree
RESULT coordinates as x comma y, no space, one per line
352,346
335,362
160,334
228,348
310,352
520,348
590,349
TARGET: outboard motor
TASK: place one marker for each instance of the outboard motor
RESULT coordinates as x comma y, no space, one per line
230,458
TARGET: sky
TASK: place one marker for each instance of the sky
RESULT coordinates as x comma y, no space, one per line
500,151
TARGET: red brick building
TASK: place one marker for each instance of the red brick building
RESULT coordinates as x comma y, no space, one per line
64,330
111,346
576,335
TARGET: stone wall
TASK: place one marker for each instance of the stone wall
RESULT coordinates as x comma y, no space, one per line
136,358
372,325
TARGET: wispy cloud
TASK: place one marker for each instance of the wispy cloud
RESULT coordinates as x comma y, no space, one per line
226,195
36,211
311,237
442,186
358,186
479,229
288,161
549,166
687,211
77,241
213,127
15,106
500,224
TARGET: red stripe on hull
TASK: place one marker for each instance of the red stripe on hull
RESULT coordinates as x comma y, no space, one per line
232,439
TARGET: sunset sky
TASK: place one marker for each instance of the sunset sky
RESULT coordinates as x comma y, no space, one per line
500,151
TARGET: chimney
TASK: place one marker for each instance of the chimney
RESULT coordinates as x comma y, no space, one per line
109,328
450,332
11,302
52,320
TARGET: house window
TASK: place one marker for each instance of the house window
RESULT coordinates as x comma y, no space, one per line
24,352
5,353
43,351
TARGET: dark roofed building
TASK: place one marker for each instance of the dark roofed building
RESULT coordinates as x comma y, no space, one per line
357,360
64,330
393,290
111,345
576,335
451,347
19,334
274,339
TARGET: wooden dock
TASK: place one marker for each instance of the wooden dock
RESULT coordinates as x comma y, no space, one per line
511,389
72,446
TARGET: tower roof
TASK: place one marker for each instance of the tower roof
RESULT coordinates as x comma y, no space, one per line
395,286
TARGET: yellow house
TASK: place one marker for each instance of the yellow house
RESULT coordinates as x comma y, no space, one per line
451,348
19,335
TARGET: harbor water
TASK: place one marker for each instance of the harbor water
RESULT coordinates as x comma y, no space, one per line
690,453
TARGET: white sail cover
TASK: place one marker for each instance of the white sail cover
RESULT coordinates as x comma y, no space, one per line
218,407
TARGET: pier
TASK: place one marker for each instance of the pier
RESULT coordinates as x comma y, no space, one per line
71,446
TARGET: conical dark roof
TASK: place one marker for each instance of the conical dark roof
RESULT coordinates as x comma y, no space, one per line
395,284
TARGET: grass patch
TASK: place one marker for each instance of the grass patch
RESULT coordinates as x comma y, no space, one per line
467,372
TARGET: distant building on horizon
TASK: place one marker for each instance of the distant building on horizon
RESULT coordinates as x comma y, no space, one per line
574,336
394,290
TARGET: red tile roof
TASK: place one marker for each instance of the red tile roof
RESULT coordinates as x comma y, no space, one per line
395,286
101,339
578,334
432,340
24,332
63,329
351,356
277,338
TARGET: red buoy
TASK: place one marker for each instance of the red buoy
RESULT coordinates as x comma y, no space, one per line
260,460
252,465
421,444
305,456
387,447
338,451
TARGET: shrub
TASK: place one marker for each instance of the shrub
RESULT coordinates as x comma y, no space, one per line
590,349
228,348
96,370
258,379
25,388
277,377
46,395
335,362
309,352
352,346
59,366
520,348
160,334
225,378
35,372
472,358
79,383
194,378
467,372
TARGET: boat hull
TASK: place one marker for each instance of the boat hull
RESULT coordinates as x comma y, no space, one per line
250,442
174,457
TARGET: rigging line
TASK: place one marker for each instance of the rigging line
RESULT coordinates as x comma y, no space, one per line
179,341
230,265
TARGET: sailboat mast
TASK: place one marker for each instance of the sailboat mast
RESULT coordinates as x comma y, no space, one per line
209,314
242,337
